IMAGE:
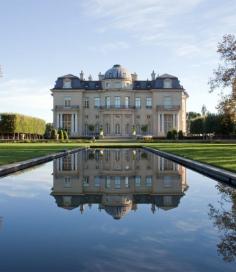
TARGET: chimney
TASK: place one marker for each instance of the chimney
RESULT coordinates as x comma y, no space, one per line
100,76
153,75
134,76
81,75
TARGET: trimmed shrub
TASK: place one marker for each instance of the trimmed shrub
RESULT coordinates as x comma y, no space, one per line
60,134
54,134
17,123
174,134
180,135
65,134
169,135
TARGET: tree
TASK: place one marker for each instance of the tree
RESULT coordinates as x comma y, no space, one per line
225,74
192,115
223,217
196,126
48,131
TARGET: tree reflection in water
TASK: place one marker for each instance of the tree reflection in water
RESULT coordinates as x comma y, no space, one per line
224,218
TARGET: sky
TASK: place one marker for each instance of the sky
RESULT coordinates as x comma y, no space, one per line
41,40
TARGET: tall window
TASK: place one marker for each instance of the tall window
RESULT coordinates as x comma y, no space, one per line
67,182
107,102
117,182
127,101
126,182
117,129
168,122
117,101
127,129
86,130
97,127
66,122
97,102
107,128
137,181
108,182
148,102
167,102
67,101
137,102
149,181
86,102
97,181
167,83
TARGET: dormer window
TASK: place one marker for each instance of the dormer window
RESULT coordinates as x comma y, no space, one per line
167,83
66,83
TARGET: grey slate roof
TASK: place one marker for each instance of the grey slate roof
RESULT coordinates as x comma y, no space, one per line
118,72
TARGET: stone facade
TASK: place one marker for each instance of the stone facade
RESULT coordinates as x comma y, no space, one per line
119,105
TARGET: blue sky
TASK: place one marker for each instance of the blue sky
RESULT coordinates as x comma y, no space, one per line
41,40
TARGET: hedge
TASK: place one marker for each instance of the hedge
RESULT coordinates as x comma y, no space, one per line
11,123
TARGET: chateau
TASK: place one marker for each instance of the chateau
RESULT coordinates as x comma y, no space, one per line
119,105
117,181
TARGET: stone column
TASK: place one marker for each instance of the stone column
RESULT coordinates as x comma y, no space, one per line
177,121
61,120
76,122
58,120
72,123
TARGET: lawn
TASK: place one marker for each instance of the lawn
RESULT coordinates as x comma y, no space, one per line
219,154
10,153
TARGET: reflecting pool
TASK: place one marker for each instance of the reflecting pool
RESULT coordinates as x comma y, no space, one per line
116,210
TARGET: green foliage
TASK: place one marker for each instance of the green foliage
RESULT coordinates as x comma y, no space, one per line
54,134
180,135
169,135
65,134
17,123
144,128
91,128
196,126
192,115
48,131
60,134
212,123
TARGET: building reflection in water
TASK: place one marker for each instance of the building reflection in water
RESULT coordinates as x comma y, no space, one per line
118,180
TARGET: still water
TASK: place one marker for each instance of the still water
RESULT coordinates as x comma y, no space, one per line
116,210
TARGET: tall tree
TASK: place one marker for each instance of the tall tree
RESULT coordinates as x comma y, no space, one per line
225,74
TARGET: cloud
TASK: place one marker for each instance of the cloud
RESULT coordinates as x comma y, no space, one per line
109,47
26,96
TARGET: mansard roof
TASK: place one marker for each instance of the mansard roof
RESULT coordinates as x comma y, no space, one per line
158,83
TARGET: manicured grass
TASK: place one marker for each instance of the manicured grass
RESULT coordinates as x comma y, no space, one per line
219,154
10,153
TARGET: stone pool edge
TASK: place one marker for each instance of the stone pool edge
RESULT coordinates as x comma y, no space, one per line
208,170
14,167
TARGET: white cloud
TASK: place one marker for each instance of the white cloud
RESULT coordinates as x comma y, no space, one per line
26,96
